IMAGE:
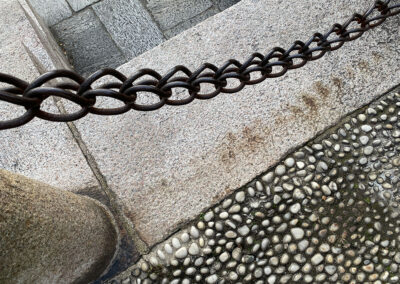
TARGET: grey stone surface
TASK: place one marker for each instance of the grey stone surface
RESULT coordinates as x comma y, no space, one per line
336,232
167,166
224,4
78,5
52,236
87,43
52,12
43,150
169,13
130,25
191,22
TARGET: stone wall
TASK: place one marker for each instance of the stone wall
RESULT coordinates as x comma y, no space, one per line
108,33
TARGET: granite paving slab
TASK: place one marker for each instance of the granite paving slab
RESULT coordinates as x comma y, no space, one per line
167,166
87,43
51,14
130,26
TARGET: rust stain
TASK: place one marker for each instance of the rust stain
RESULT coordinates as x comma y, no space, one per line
164,182
309,102
322,90
376,56
337,82
364,65
296,110
248,140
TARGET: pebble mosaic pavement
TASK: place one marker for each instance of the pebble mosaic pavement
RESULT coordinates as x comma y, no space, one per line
328,213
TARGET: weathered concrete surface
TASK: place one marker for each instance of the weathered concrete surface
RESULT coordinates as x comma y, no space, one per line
130,26
52,13
166,166
43,150
87,43
51,236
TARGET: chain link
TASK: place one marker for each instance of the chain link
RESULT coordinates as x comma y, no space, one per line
255,70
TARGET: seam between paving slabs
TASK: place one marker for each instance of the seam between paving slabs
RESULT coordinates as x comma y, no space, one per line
108,33
139,244
144,4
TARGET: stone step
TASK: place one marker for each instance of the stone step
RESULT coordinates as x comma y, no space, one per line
108,33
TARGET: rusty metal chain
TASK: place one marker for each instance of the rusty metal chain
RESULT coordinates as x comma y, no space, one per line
126,89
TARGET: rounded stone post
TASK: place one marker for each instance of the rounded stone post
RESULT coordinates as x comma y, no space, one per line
52,236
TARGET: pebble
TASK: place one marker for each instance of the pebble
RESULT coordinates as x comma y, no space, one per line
240,196
280,170
322,166
297,233
303,245
194,249
295,208
289,162
366,128
368,150
212,279
181,253
224,257
294,267
244,230
317,259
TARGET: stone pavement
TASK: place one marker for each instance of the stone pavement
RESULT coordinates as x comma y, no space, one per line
158,171
328,212
167,166
107,33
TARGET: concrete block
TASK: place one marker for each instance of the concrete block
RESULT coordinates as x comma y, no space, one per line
169,13
166,166
191,22
87,43
224,4
51,12
130,25
78,5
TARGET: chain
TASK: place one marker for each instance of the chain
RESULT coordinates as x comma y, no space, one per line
253,71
